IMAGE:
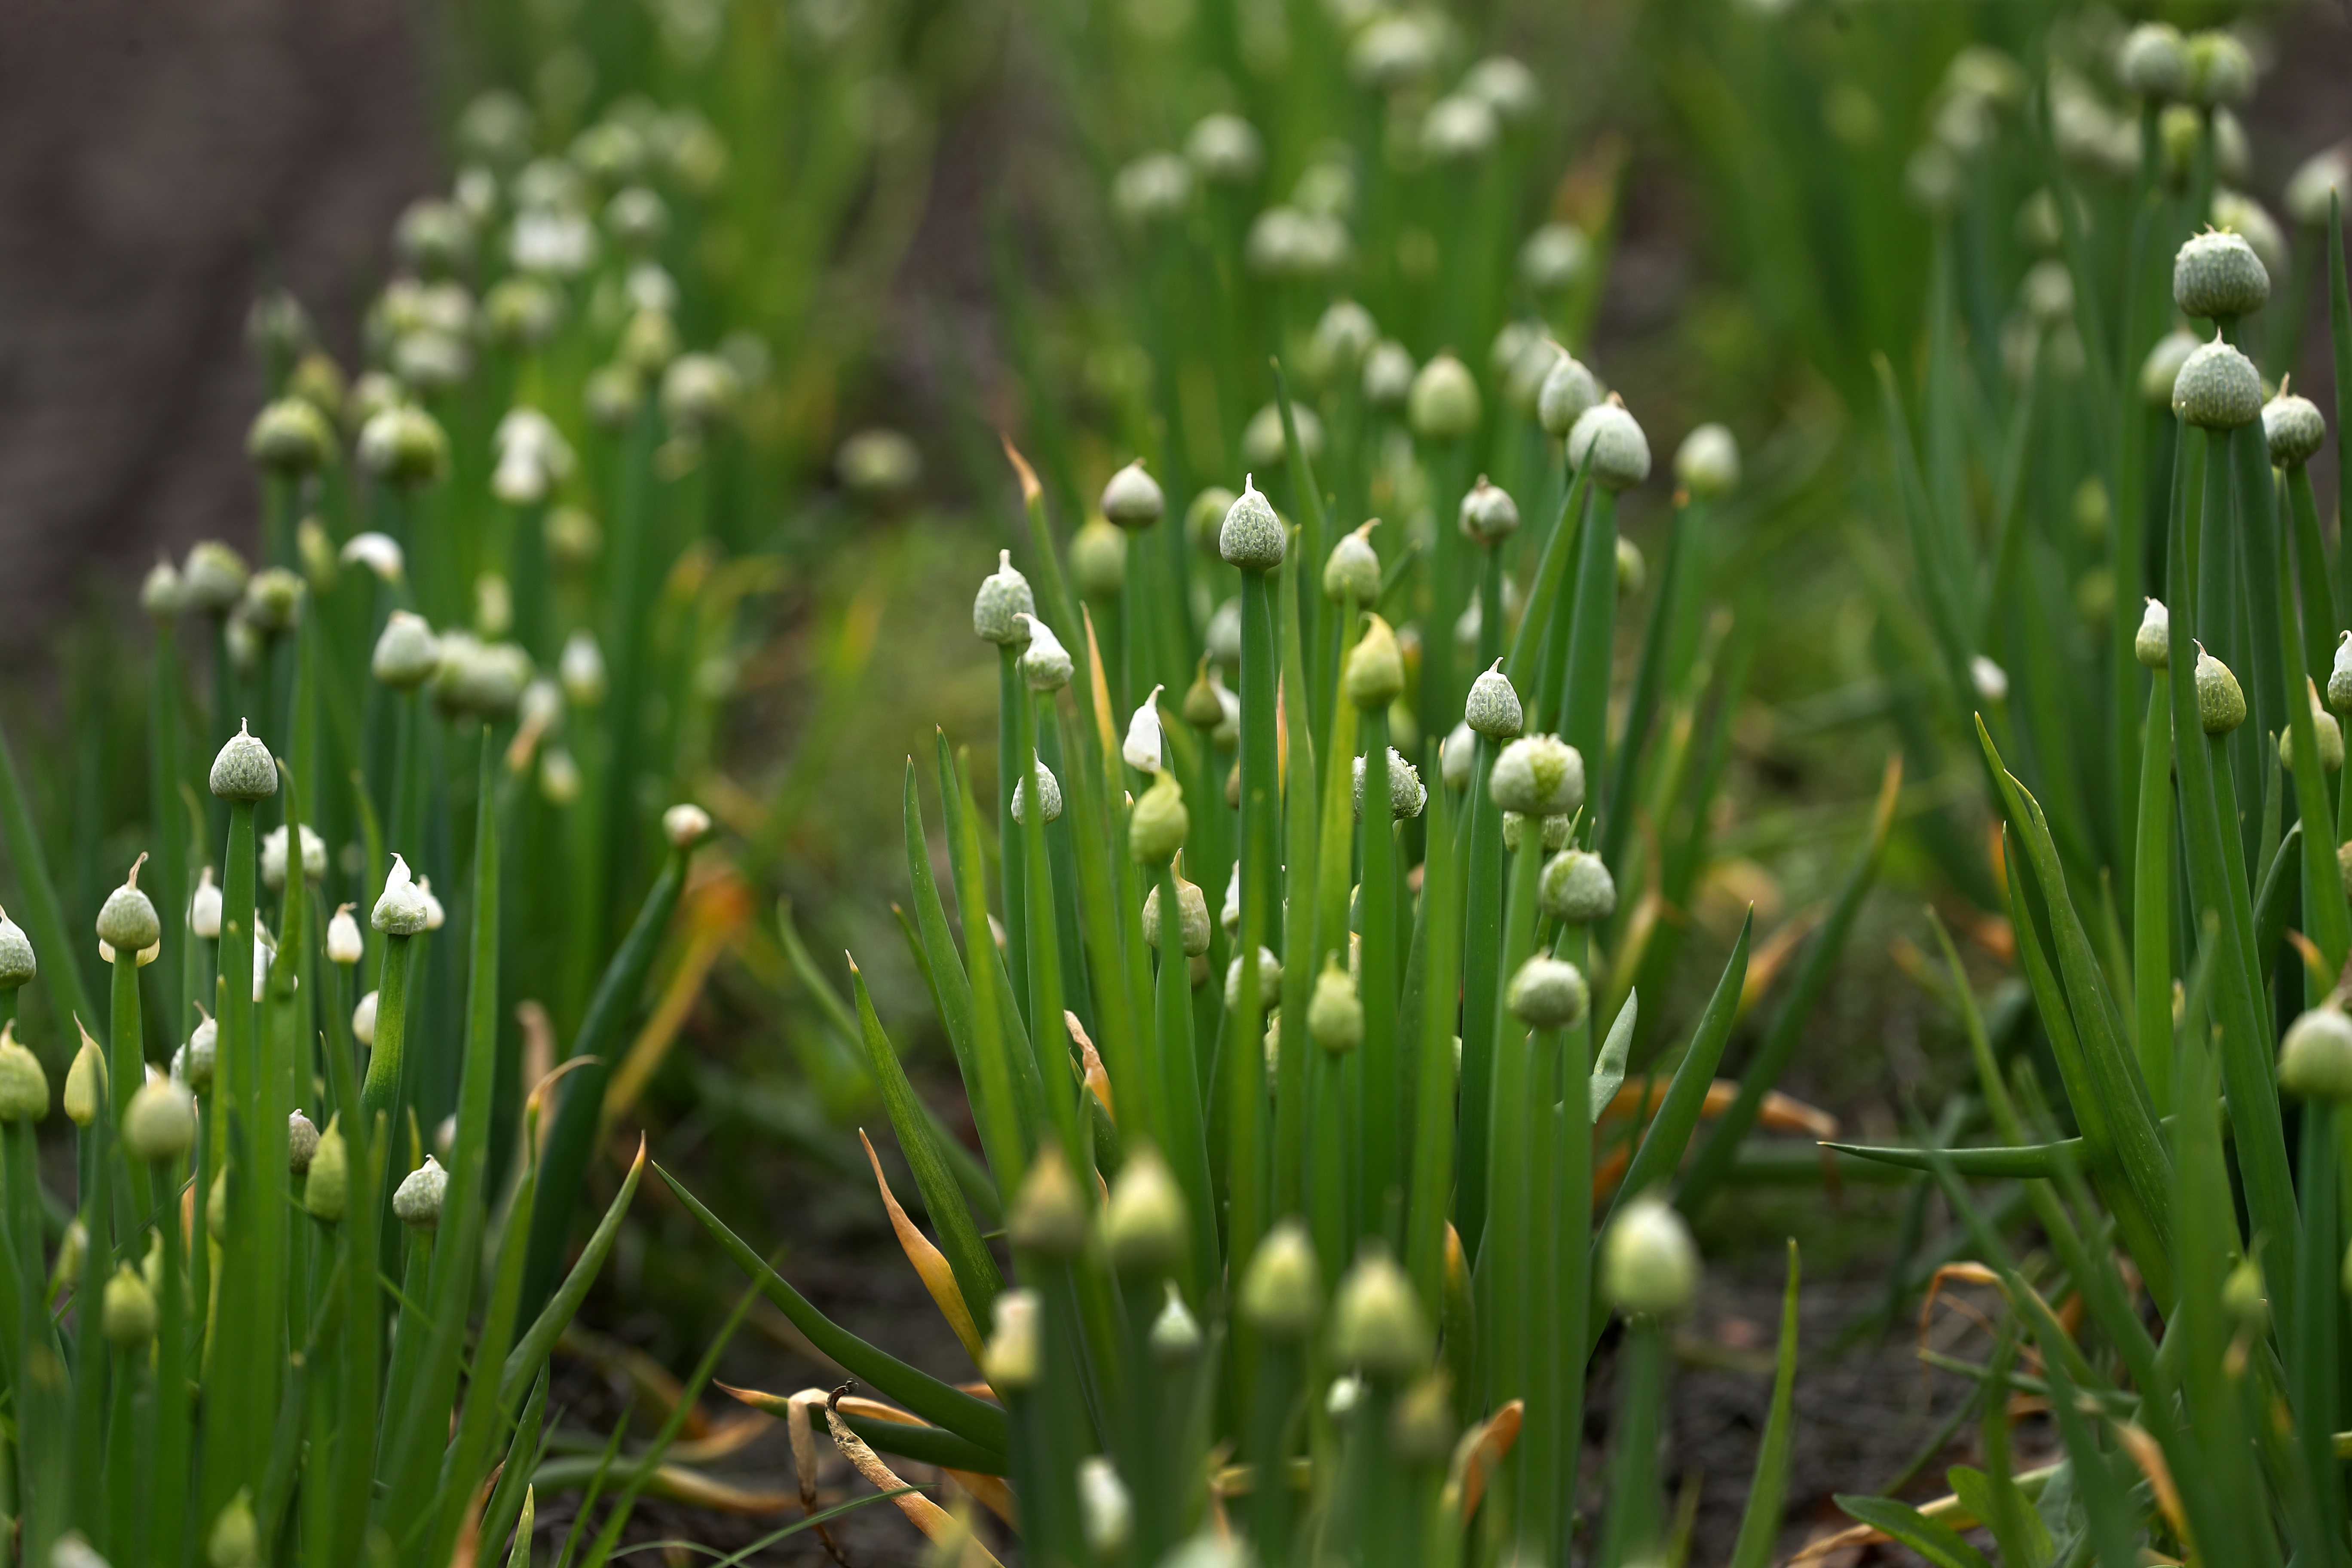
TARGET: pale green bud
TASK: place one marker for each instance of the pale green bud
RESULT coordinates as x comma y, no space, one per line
301,1143
1488,513
244,771
1098,558
1156,829
2221,703
1269,981
1649,1265
1048,1216
2153,61
1144,1223
1707,462
2218,274
1375,676
1175,1333
1538,775
1250,537
327,1189
1407,794
2152,644
127,922
24,1085
235,1539
1548,993
417,1201
18,964
1192,922
401,910
1492,707
1282,1292
1570,392
2295,429
86,1081
213,581
1377,1322
127,1309
1577,887
1049,790
2218,389
1443,403
1045,664
1335,1014
999,611
2315,1058
159,1125
1607,442
291,438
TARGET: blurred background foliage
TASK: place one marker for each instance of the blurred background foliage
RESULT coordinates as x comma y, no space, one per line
919,224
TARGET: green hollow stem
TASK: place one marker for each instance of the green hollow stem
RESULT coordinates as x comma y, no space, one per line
1012,708
2152,899
1584,722
1179,1079
1630,1531
1378,973
1300,827
1433,1153
2218,884
2339,343
1049,1035
379,1093
1505,1260
1482,921
2327,917
1247,1186
2319,623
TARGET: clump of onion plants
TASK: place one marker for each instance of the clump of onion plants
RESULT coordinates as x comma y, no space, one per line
2165,762
1293,1025
285,1289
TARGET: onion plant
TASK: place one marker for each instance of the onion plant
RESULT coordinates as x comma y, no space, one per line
2133,603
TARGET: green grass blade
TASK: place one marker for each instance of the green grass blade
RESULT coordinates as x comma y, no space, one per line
528,1357
603,1032
1767,1488
973,1419
422,1410
1669,1133
1938,1543
510,1510
975,1269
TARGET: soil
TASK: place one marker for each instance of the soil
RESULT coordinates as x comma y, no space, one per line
159,165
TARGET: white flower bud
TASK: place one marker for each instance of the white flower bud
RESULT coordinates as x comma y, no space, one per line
581,668
685,825
344,944
2152,644
401,910
205,908
363,1019
1045,664
1014,1355
1106,1513
1145,749
418,1200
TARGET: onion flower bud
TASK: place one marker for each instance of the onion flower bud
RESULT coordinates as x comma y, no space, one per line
417,1201
1649,1265
1281,1292
1547,994
244,771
